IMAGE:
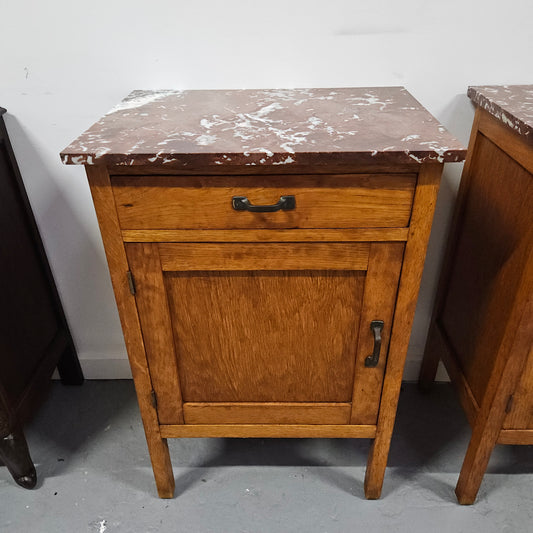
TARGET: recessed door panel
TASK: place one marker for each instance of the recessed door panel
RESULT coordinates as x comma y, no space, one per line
273,336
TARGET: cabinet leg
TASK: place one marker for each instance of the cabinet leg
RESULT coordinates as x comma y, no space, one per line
69,367
15,455
485,434
473,469
161,465
375,469
430,362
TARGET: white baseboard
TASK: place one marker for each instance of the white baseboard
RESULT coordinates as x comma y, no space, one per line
106,368
101,367
117,367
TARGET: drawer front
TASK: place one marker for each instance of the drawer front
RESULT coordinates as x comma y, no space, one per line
342,201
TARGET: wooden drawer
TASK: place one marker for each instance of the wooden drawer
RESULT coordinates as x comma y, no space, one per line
331,201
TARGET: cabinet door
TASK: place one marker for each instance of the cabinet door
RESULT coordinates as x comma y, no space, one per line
265,332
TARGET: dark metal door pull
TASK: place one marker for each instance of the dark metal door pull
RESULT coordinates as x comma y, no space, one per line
377,327
241,203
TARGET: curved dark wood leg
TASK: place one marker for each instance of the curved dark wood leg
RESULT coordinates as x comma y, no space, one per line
15,455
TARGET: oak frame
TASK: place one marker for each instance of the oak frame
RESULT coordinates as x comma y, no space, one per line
156,433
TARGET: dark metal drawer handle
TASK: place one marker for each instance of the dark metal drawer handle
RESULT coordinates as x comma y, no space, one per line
241,203
377,327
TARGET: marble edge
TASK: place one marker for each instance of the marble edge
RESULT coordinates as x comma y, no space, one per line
499,112
282,158
2,111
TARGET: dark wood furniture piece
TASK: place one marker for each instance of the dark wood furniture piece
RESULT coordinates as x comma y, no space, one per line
34,336
266,249
482,327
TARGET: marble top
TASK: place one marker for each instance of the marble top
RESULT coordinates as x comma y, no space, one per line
511,104
383,125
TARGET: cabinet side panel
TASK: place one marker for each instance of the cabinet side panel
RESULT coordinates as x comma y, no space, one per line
482,287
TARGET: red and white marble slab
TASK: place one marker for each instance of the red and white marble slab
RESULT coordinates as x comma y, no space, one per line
511,104
382,125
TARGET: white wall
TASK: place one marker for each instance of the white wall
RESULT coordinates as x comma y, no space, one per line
66,63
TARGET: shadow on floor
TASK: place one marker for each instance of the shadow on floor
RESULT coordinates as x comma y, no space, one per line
431,435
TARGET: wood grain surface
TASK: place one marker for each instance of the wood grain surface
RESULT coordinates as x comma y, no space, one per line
270,431
520,414
156,326
379,299
263,256
267,413
266,336
267,235
163,202
512,353
516,436
516,146
478,303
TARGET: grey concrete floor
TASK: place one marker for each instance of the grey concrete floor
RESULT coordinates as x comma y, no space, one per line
95,476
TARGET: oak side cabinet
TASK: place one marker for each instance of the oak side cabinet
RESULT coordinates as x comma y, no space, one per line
482,326
266,249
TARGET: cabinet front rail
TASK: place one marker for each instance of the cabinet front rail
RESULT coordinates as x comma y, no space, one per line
340,431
